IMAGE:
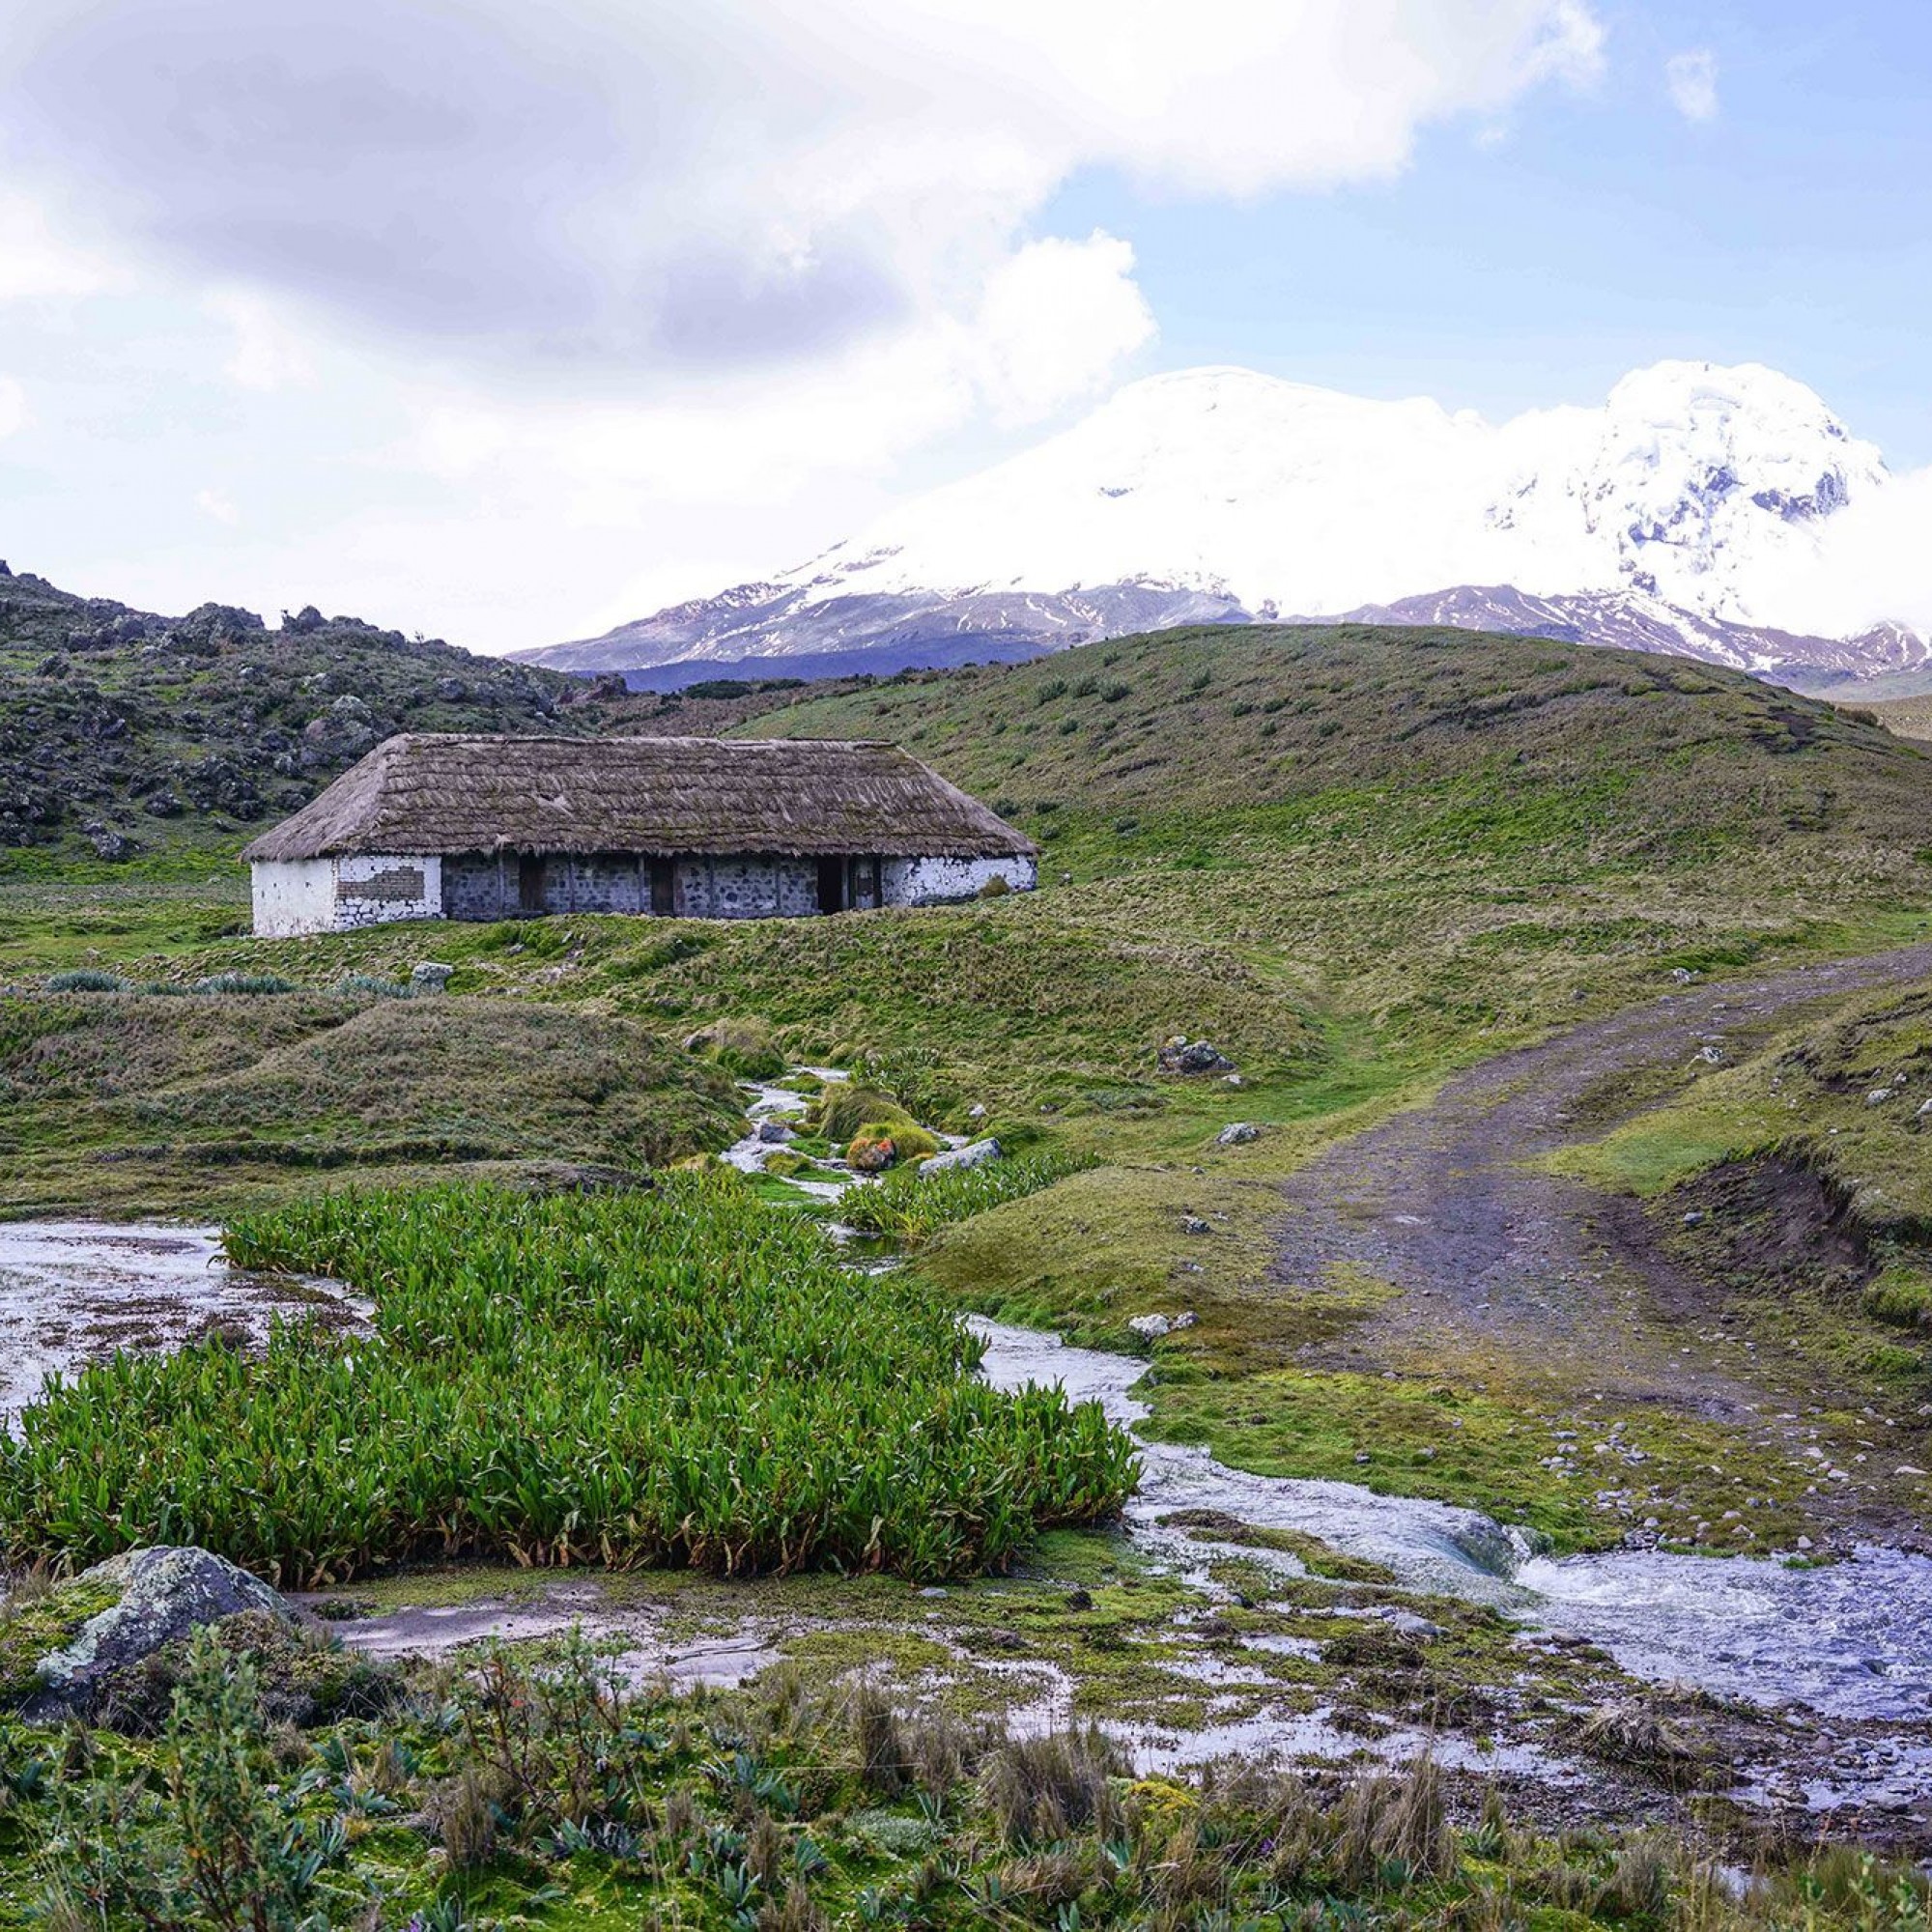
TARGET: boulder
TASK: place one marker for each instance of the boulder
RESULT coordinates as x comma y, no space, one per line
151,1598
427,976
1237,1135
1193,1055
774,1134
954,1160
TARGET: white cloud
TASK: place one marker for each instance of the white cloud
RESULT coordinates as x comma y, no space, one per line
218,505
656,187
13,407
36,263
1691,81
623,266
1872,565
267,354
1058,318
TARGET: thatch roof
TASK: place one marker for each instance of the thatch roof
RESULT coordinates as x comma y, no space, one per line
804,798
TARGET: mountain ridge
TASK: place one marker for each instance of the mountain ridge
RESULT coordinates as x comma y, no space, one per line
1672,517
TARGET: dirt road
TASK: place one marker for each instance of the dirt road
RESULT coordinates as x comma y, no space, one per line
1503,1263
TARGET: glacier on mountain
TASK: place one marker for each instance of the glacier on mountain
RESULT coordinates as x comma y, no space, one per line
1679,510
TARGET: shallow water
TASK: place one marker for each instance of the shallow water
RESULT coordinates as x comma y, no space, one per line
1853,1640
74,1291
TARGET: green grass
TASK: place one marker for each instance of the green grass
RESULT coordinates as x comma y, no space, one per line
908,1206
1353,859
676,1377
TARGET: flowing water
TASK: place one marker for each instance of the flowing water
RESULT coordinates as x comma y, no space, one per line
1852,1639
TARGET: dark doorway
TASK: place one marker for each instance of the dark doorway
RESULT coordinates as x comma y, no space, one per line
664,888
529,883
832,885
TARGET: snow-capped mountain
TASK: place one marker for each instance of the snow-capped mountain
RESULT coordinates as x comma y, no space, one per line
1668,519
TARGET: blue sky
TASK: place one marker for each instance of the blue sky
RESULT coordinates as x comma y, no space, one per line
506,325
1599,231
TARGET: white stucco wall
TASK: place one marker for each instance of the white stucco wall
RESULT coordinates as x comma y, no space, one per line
292,896
935,881
298,895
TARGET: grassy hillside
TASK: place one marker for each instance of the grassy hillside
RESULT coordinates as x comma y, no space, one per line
1906,716
203,1103
1349,857
1353,859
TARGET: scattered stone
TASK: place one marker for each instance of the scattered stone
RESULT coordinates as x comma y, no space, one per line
1695,1218
956,1159
1237,1135
1877,1096
975,1111
429,977
109,844
1150,1327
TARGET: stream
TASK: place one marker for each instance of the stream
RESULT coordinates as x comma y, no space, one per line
1851,1642
1851,1639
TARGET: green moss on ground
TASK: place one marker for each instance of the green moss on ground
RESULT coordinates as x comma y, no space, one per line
36,1618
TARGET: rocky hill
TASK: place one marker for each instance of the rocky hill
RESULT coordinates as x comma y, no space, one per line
122,730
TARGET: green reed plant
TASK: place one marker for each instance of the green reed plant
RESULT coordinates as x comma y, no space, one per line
908,1205
676,1377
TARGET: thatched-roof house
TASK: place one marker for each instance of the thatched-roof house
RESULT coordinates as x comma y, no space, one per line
480,828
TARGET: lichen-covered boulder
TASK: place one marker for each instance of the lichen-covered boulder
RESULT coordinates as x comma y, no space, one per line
146,1599
872,1150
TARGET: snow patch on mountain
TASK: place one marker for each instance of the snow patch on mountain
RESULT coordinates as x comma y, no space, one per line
1672,517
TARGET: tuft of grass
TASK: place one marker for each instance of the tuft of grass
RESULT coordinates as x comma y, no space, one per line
908,1205
86,980
244,983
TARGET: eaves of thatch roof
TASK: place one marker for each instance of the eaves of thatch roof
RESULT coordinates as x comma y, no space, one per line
805,798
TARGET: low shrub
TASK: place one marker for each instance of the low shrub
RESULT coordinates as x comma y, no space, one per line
372,986
244,983
86,980
668,1377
